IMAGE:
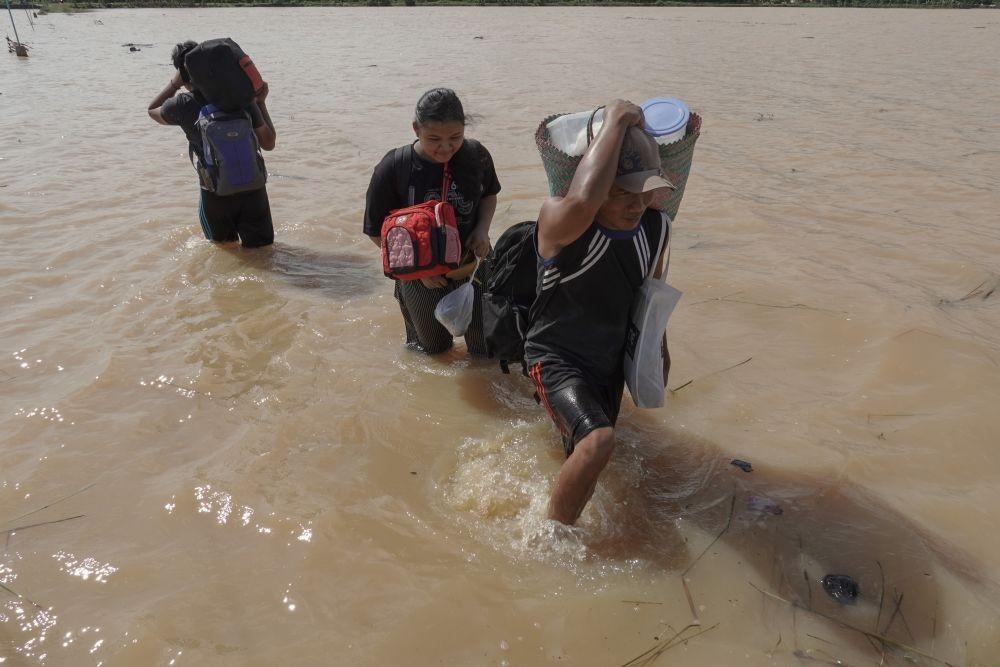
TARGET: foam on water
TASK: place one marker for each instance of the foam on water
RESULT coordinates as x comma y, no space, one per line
500,489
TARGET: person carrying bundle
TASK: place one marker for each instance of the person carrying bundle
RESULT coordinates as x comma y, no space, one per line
595,248
224,116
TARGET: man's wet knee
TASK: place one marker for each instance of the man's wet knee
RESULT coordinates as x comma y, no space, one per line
598,444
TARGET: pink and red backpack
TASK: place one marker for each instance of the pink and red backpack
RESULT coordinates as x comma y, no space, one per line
421,240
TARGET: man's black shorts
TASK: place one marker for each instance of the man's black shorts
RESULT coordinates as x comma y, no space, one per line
246,216
576,404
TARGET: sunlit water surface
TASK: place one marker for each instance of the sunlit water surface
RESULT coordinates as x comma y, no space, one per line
245,467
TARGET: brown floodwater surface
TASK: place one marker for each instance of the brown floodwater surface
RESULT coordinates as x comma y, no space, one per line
213,457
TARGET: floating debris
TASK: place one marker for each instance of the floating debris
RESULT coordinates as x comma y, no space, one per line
742,465
841,588
17,47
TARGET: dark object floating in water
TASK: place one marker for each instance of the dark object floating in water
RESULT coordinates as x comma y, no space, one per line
133,49
841,588
762,504
742,465
18,48
478,37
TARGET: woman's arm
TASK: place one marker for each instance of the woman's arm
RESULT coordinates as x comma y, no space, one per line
266,134
380,198
479,238
171,89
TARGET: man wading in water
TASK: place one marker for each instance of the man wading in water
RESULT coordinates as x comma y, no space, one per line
595,247
224,218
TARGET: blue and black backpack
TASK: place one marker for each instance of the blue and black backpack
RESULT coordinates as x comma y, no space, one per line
230,161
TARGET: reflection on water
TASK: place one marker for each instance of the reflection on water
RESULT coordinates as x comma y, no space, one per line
334,275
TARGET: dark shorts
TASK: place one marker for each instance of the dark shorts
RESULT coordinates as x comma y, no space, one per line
576,404
246,216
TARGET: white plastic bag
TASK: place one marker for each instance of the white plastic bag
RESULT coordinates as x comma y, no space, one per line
568,133
643,345
454,310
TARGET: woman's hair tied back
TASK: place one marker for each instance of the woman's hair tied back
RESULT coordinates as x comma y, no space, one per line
439,105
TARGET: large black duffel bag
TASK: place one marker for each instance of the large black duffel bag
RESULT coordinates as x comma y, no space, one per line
224,74
508,277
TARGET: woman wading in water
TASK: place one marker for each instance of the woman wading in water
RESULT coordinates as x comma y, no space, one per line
413,174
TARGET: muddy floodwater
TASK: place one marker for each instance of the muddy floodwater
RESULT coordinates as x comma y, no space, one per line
229,458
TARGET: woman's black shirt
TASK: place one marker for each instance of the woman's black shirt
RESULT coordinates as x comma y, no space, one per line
423,183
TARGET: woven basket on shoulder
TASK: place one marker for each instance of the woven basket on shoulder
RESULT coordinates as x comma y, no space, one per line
675,160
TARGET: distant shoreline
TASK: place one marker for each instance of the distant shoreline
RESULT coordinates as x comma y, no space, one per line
54,7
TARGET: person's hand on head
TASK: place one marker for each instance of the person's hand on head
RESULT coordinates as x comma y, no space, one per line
177,81
625,111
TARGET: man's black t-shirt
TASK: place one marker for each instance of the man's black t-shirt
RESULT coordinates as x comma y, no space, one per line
586,293
183,110
424,184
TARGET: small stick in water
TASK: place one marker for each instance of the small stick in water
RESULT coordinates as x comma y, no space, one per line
690,600
43,523
45,507
729,522
648,657
21,597
705,377
849,626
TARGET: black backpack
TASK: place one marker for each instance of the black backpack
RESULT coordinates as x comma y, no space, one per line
402,164
508,277
223,73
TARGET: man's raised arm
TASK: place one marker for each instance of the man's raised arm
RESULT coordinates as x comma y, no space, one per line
563,219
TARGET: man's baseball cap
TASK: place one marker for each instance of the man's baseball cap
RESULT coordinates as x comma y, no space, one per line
639,163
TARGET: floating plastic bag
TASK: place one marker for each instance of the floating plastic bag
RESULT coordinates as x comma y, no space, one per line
643,345
454,310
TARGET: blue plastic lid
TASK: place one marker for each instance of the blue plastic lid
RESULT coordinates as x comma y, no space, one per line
665,115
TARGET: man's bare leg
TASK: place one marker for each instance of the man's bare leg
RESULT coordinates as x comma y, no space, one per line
578,475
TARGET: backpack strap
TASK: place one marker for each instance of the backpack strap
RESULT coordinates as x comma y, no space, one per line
533,312
402,165
666,236
539,304
445,182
